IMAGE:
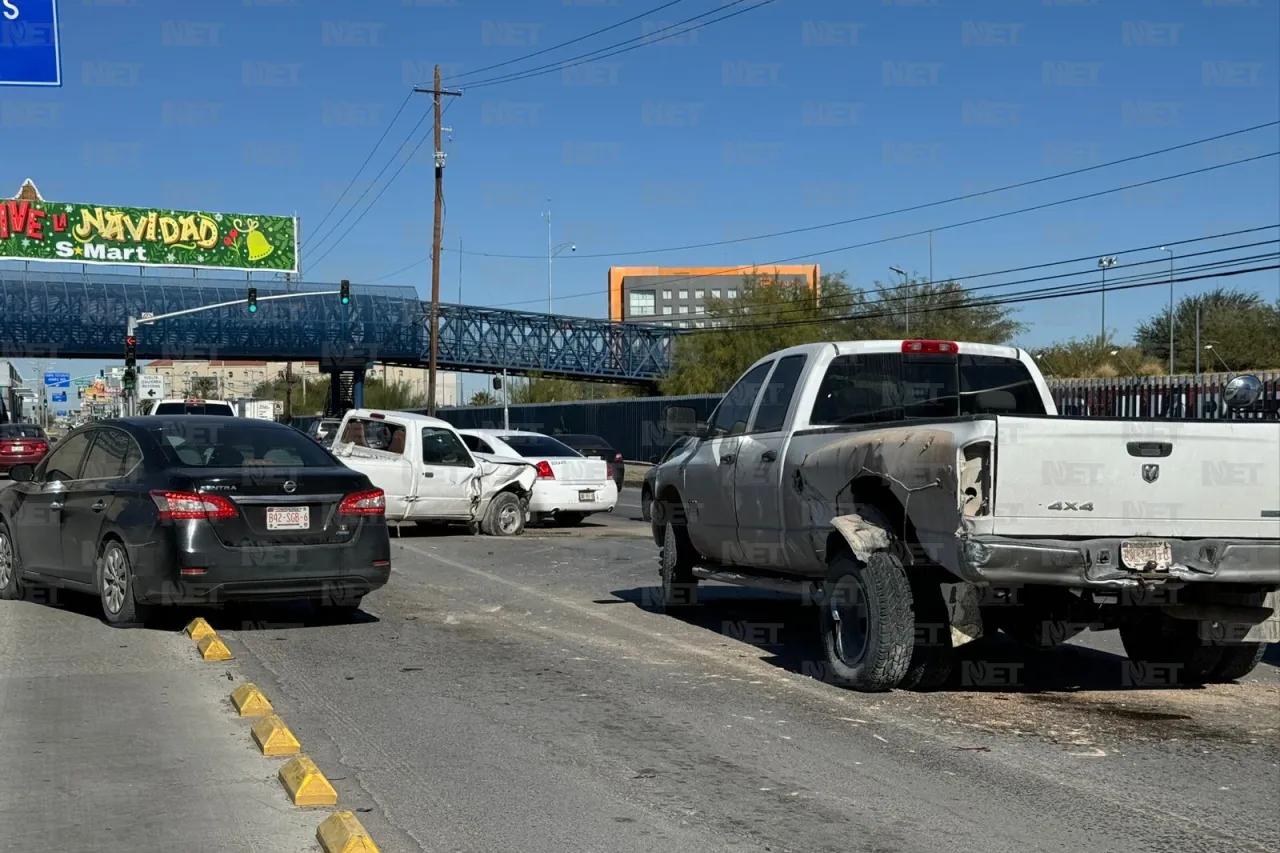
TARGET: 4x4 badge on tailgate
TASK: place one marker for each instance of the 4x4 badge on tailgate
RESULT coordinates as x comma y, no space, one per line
1151,473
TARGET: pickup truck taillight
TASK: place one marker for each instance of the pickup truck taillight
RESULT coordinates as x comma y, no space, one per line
371,502
179,506
976,494
544,471
608,470
617,457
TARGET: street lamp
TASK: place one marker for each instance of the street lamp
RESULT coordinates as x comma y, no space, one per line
906,297
552,251
1115,353
1170,251
1219,357
1105,264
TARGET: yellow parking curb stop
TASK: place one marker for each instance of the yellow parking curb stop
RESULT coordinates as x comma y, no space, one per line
212,648
197,629
342,833
249,701
306,784
274,738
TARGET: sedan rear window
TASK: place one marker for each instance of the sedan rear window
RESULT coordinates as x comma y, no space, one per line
240,445
538,445
9,432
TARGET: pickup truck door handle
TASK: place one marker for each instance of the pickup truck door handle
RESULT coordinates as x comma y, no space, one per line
428,473
99,506
727,459
769,456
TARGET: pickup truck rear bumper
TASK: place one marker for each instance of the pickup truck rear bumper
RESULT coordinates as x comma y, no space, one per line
1095,563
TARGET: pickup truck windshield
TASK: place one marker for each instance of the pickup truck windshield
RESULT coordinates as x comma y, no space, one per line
194,409
878,387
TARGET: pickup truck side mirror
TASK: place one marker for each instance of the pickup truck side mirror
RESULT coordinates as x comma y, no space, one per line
680,420
1242,392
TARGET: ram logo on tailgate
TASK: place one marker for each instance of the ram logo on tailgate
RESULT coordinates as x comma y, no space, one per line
1151,473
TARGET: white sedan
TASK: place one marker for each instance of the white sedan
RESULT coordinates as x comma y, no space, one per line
569,486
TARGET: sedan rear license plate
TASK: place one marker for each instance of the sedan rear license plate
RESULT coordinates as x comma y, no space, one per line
289,518
1139,554
587,497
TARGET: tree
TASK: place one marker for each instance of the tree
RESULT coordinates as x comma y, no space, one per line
204,387
393,396
483,398
1091,358
769,317
1242,327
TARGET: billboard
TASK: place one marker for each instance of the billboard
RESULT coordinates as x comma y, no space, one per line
32,229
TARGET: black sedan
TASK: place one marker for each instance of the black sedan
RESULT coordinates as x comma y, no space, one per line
193,510
595,447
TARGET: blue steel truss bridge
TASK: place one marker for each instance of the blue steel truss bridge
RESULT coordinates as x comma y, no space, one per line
84,315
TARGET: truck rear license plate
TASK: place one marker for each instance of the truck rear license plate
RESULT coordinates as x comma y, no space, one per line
1140,553
289,518
587,497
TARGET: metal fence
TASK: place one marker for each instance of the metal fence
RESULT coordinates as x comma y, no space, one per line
633,426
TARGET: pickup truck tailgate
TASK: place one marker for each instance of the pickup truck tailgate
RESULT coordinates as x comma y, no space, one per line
1118,477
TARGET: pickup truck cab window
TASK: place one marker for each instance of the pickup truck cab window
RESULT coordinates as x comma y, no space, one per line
734,411
775,402
880,387
444,447
375,435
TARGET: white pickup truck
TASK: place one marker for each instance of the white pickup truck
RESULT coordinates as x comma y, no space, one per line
428,475
921,490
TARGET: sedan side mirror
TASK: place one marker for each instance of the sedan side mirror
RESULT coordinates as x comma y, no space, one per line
1242,392
22,473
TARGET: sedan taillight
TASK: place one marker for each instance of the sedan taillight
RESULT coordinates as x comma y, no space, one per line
177,506
372,502
545,472
617,457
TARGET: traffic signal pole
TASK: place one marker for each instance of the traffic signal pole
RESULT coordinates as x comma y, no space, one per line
132,324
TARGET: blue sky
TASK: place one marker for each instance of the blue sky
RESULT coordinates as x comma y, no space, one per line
795,114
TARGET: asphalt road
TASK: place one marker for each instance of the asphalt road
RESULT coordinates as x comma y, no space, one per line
522,694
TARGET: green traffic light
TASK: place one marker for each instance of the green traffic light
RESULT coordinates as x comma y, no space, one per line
346,300
253,309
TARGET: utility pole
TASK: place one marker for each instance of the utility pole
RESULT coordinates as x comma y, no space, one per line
1170,251
288,366
437,235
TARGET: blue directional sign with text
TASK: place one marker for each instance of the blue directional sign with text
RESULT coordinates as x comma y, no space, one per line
56,380
60,397
29,49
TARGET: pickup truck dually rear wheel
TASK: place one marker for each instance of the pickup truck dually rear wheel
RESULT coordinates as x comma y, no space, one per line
1237,661
866,621
676,560
1159,640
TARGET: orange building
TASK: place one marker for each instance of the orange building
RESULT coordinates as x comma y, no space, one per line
678,296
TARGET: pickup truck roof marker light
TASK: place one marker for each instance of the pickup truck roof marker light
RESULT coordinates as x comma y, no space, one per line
931,347
377,416
544,471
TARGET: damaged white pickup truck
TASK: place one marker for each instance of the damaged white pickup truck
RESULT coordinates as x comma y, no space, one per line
428,475
923,492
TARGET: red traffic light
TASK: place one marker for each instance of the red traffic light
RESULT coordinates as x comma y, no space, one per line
131,341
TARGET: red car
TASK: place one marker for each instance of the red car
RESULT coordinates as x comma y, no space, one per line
21,444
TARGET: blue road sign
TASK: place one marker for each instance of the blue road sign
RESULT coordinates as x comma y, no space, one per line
56,380
60,397
62,413
29,50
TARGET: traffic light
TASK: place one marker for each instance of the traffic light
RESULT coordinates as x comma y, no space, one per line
253,300
345,292
129,379
130,352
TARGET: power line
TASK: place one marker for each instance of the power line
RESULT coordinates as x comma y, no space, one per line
1148,279
910,209
590,35
356,176
908,294
607,52
947,227
385,187
383,171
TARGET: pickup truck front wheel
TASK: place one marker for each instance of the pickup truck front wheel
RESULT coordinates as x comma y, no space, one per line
867,622
675,566
505,516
